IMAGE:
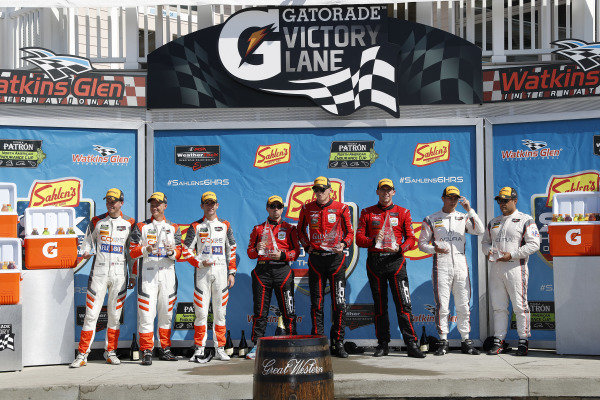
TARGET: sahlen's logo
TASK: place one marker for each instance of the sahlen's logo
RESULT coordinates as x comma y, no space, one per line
431,153
340,57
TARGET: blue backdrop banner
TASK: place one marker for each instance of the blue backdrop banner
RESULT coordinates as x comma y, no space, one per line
245,167
539,160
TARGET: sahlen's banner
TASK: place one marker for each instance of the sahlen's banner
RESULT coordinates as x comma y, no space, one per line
539,160
340,58
245,167
49,173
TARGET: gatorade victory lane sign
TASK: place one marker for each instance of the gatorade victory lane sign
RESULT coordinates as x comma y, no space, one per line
341,58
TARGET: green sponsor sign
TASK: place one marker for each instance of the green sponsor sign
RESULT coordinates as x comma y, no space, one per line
352,154
541,314
21,153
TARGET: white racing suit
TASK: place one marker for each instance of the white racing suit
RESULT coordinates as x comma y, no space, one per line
210,239
156,279
108,238
450,271
517,234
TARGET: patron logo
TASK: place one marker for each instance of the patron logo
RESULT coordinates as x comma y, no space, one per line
536,149
541,314
358,315
105,156
431,153
339,57
584,181
267,156
64,79
184,316
197,157
64,192
354,154
597,145
21,153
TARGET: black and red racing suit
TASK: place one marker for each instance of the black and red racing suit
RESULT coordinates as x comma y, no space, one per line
274,275
384,267
325,265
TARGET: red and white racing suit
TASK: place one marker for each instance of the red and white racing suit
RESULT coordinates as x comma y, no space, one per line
156,279
517,234
109,236
450,270
212,239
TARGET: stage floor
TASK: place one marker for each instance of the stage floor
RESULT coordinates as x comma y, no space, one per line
541,374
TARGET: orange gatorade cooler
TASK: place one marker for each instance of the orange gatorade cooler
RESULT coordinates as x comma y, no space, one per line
576,239
8,207
50,241
10,270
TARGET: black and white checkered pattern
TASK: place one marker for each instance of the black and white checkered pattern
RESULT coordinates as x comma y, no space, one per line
104,151
343,92
7,341
534,145
586,55
57,66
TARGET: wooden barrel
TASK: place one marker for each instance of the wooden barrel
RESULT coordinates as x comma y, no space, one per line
293,368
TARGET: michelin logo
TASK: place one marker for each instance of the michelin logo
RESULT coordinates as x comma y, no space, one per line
205,182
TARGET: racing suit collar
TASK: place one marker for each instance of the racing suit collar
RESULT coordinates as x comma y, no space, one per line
324,205
510,215
271,222
119,216
385,208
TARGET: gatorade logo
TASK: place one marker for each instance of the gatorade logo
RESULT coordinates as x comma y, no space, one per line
50,250
573,237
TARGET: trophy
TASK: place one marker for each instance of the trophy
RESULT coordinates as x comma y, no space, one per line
268,238
494,254
331,239
389,239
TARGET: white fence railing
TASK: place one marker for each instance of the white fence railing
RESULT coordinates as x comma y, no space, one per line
506,30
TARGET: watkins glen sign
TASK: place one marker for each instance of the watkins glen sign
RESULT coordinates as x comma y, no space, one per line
580,78
68,80
339,58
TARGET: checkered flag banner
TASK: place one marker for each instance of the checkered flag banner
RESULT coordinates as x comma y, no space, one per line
343,92
586,55
104,151
7,341
533,145
57,66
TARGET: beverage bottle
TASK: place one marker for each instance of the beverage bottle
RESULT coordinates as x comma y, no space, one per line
424,344
46,231
228,345
34,232
243,348
9,207
4,208
12,265
280,330
60,231
134,354
568,218
554,217
591,217
71,231
560,218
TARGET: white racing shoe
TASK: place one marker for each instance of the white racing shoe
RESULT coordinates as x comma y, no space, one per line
221,355
111,358
80,361
201,357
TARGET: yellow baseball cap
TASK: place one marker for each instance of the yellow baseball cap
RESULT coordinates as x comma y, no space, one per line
385,182
115,193
506,193
322,182
451,191
208,196
274,199
158,196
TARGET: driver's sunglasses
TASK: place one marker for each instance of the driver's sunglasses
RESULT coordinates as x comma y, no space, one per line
276,206
319,190
502,201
